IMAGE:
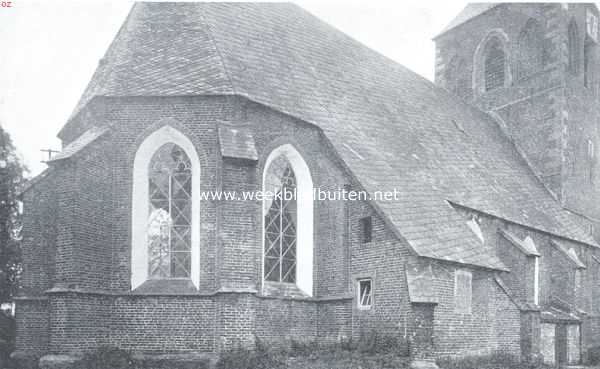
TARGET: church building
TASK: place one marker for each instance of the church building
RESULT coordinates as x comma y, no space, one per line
489,242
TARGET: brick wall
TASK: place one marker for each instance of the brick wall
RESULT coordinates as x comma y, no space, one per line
78,323
32,322
493,323
93,306
163,324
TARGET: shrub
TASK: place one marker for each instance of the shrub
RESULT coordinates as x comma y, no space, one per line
107,357
262,357
495,360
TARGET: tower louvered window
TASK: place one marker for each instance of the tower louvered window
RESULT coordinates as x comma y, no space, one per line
494,66
169,221
280,223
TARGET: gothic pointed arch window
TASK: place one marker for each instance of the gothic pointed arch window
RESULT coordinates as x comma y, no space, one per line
287,220
170,213
281,222
165,209
494,65
530,46
573,45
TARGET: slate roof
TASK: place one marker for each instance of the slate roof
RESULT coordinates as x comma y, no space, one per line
469,12
391,127
552,314
79,143
237,143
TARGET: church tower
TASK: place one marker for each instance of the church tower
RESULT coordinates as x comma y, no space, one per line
535,69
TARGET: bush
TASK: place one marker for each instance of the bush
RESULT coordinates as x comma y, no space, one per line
371,350
495,360
107,357
262,357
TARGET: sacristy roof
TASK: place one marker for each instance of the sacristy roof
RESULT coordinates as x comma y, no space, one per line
392,128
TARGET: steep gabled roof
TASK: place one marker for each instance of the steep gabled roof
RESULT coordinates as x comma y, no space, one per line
392,128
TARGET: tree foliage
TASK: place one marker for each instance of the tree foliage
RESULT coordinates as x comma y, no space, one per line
12,173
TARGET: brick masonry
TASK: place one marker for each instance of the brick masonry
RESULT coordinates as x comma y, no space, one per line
86,285
77,294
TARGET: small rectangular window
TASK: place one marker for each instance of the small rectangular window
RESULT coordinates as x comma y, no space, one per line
591,150
366,229
463,291
365,293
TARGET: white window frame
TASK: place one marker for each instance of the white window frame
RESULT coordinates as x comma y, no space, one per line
140,203
464,273
304,203
359,296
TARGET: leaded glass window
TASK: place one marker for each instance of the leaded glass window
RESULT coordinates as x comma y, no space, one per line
280,222
169,220
494,66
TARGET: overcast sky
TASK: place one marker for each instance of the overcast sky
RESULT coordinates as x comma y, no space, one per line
49,50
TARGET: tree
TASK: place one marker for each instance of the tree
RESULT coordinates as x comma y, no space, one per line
11,178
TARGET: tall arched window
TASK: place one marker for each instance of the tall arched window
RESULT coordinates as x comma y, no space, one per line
529,58
288,220
169,221
573,40
494,65
165,209
281,222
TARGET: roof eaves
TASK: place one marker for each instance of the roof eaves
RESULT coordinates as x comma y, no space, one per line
570,238
80,143
33,181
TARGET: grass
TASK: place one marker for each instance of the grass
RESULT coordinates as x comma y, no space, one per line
495,360
372,351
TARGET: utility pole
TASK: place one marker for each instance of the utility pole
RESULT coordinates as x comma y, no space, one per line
49,152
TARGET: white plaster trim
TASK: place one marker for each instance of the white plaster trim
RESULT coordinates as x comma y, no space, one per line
474,226
536,280
304,243
139,248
